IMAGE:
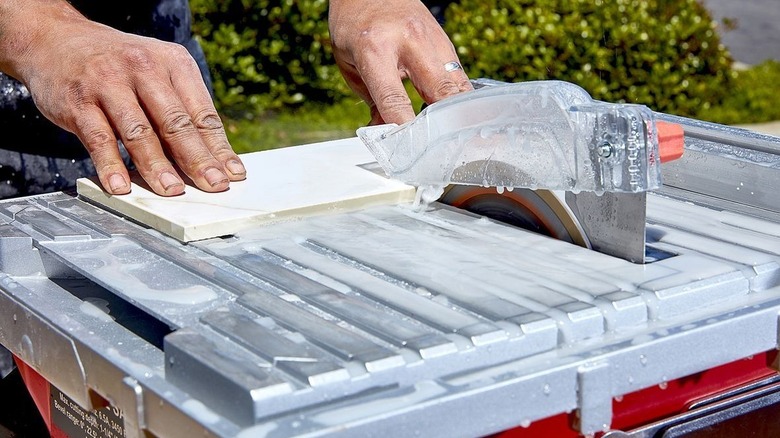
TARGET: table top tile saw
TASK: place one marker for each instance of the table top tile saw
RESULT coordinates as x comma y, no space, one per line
644,311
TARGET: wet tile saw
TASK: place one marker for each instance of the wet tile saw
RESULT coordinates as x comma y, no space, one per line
636,310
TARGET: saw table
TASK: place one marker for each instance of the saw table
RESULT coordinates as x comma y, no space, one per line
390,321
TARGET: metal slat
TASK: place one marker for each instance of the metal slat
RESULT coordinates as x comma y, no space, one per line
382,323
297,359
408,302
237,387
344,343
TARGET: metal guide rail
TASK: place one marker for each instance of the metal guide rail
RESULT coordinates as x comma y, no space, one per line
381,322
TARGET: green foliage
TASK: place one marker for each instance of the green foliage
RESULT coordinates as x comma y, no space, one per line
752,98
272,61
662,53
265,55
306,124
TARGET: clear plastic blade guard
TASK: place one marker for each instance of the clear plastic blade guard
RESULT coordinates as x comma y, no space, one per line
542,134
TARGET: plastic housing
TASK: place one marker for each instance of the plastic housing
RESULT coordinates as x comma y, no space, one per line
540,134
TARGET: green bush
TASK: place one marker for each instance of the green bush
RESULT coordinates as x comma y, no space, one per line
264,55
753,97
662,53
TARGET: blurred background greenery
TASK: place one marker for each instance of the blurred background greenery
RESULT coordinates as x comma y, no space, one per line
276,83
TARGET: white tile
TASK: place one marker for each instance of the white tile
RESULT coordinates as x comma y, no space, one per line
281,184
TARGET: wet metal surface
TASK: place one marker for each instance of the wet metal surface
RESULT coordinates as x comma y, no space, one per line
350,323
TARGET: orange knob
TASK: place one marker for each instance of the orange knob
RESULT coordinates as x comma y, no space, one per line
671,141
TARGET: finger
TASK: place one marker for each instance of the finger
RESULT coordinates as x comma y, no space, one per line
98,138
177,132
353,79
435,76
141,142
190,88
384,82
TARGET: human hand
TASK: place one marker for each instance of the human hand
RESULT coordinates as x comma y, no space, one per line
102,85
377,44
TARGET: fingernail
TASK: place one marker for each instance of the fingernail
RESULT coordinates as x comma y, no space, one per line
117,183
235,167
169,181
215,177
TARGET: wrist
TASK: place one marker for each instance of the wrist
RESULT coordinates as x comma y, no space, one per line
24,24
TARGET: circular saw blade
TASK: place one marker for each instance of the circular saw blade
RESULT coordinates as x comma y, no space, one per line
541,211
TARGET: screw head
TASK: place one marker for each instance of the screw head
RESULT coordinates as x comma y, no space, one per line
605,150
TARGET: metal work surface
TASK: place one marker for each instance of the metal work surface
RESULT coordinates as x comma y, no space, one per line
390,321
382,322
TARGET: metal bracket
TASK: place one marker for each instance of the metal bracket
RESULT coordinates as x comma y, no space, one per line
614,222
594,397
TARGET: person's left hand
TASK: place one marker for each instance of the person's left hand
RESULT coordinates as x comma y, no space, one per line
377,44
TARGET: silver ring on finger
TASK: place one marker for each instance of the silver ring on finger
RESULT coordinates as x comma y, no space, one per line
452,66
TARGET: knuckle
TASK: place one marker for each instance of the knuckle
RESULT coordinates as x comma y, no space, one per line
136,131
444,88
373,41
416,28
96,139
179,51
391,99
176,122
138,57
208,120
181,56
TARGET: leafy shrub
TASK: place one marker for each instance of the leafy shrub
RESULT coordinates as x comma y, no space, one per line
662,53
752,98
264,55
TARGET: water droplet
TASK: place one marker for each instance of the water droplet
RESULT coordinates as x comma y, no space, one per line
643,359
618,398
525,423
546,389
663,385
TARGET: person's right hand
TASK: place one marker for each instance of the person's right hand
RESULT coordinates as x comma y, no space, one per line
102,85
377,44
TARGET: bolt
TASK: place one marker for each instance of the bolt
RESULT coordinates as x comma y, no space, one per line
605,150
